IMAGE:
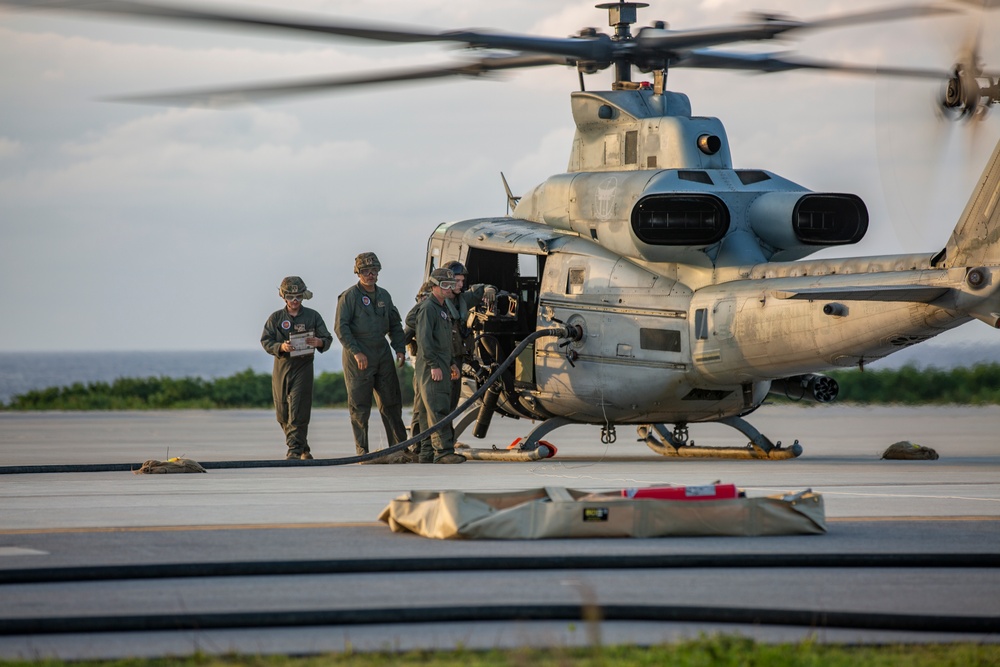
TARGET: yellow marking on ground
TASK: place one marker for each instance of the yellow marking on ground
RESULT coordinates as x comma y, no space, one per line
167,529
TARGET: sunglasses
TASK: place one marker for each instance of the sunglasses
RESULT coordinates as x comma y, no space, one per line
369,273
293,297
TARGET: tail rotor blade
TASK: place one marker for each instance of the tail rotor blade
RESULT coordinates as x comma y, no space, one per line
929,152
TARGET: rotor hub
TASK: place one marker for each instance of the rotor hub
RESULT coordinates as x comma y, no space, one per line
622,14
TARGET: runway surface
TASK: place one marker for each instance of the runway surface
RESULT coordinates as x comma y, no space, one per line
911,540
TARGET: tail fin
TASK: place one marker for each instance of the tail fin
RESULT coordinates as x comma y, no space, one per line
976,239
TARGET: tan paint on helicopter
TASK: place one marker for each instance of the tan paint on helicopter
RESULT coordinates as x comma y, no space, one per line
976,239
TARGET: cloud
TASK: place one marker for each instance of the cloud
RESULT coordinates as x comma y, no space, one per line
155,228
9,148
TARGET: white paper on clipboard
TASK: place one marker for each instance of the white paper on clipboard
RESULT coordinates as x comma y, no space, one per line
299,347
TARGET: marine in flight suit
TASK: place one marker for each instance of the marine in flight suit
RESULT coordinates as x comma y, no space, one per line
434,367
463,302
292,376
365,316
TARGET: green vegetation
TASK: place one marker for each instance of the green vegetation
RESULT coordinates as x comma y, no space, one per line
978,385
245,389
721,651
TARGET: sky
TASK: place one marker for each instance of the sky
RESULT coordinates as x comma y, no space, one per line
132,227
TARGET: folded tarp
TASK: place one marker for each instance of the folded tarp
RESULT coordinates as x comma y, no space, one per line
557,512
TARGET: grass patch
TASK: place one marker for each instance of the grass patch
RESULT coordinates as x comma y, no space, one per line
245,389
722,651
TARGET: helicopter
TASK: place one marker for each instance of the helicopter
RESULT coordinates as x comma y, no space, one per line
684,281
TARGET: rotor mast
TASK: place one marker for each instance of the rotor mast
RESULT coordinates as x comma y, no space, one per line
621,16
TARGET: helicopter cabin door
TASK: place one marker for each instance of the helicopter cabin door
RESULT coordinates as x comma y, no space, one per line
516,272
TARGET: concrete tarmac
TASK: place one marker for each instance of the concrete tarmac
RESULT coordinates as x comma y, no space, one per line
949,506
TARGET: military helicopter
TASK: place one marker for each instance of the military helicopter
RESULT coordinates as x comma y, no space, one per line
680,281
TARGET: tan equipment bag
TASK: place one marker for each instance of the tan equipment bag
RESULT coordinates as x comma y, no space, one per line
557,512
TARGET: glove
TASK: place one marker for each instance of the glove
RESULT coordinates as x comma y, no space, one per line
490,296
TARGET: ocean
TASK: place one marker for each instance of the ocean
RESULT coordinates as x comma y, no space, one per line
21,372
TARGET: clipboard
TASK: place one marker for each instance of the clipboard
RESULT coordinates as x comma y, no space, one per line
299,346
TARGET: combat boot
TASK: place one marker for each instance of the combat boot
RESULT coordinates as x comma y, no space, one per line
398,457
450,458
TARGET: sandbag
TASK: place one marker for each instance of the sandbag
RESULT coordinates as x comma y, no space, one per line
174,465
908,451
557,512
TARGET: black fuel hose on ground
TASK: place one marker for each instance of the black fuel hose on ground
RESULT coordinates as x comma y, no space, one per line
445,563
809,618
559,332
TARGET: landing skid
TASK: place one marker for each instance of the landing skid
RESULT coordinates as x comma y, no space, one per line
467,419
542,450
675,443
531,448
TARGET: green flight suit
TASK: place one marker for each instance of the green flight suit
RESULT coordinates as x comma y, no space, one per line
364,319
459,308
417,422
292,377
432,399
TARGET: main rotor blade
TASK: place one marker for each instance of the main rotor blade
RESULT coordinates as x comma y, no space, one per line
236,95
587,48
877,16
769,27
982,4
769,62
223,17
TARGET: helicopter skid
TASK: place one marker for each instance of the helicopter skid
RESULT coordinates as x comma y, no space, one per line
542,451
748,452
760,448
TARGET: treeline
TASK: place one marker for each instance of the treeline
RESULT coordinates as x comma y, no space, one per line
978,385
245,389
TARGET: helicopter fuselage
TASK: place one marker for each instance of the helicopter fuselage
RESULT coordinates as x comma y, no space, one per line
664,342
681,279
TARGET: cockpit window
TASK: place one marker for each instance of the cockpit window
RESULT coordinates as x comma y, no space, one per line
695,176
751,176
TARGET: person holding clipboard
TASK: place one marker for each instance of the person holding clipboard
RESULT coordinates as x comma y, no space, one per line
293,335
